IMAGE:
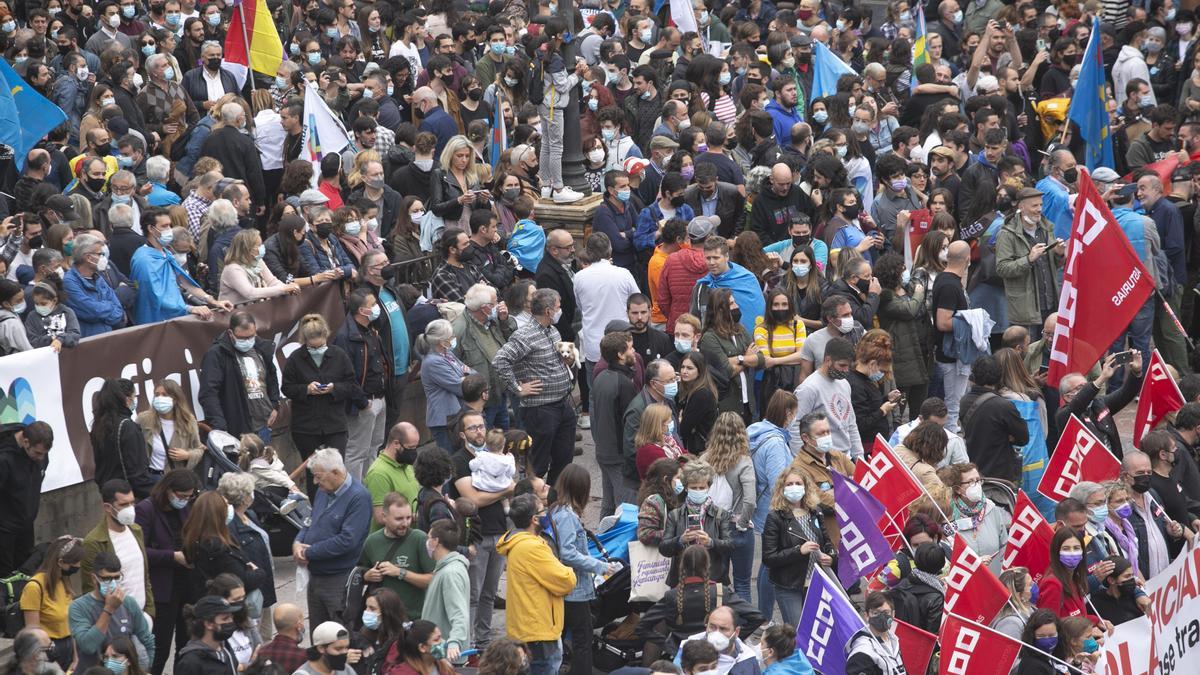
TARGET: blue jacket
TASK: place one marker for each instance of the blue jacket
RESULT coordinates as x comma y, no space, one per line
608,221
161,196
571,543
441,377
1056,206
796,664
216,255
746,291
340,524
959,345
1133,225
311,263
439,123
156,274
96,305
191,153
782,120
771,453
647,224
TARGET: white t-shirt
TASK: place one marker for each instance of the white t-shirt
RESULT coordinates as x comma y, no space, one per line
242,646
409,52
158,453
216,88
133,564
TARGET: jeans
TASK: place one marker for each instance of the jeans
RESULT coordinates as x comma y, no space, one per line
265,434
1167,339
495,413
615,488
441,436
766,593
545,658
326,598
954,380
550,157
743,561
1138,337
791,605
552,427
485,571
577,618
366,430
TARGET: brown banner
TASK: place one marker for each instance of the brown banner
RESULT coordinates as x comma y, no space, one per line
175,349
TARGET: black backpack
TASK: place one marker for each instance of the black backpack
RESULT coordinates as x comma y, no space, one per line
537,91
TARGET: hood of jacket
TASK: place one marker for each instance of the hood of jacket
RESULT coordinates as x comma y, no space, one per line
796,664
514,539
452,558
691,259
763,431
1128,53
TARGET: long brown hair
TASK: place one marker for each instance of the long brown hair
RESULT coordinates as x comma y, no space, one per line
184,416
573,488
727,443
927,253
65,549
658,482
768,321
719,318
1013,374
693,562
1074,582
205,523
703,377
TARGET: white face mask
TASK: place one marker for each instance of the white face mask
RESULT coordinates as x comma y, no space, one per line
595,156
825,443
974,493
846,324
718,640
126,516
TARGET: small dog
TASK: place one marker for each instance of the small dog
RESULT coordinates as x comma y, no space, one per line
570,357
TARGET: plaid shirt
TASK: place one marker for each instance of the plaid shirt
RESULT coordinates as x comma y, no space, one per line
385,139
285,652
155,103
451,283
531,353
12,244
196,207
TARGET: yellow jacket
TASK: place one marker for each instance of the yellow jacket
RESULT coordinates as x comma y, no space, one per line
537,584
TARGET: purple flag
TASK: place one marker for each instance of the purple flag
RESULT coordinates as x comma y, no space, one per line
826,624
863,549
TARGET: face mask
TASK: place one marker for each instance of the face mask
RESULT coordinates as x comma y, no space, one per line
229,513
416,216
21,59
670,389
214,20
370,619
716,638
793,493
353,228
214,63
43,310
124,162
224,631
880,623
1071,559
510,50
129,11
243,345
126,515
1128,586
851,212
647,35
594,156
725,78
374,313
1124,510
82,74
852,109
102,263
1141,484
1153,46
19,308
115,666
804,14
905,16
683,346
622,196
105,102
181,259
974,493
608,134
1146,101
841,151
1171,14
497,48
863,285
646,95
423,164
1090,645
846,324
114,21
178,504
147,50
1046,644
168,73
876,376
800,271
1183,29
958,17
687,172
314,58
294,49
860,128
676,201
899,184
510,82
1098,514
162,404
905,277
173,19
825,443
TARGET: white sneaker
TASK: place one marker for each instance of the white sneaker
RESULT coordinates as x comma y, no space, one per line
566,195
546,192
585,422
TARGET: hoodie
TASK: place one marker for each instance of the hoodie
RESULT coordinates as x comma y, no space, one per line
448,600
743,660
747,291
537,584
867,654
796,664
1130,64
680,273
771,453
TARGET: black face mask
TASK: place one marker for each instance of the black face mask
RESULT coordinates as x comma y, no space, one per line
863,285
213,64
475,94
1141,484
419,113
1128,586
224,631
737,315
1070,60
407,456
1071,175
677,201
104,150
880,622
781,315
851,212
70,571
801,240
805,57
35,241
335,661
94,184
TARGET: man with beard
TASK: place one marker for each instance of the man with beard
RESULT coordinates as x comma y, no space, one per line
612,391
648,341
396,554
392,471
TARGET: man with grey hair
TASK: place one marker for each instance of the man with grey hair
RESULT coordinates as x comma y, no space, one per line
210,82
330,546
1056,187
481,330
158,172
122,190
434,119
222,221
31,650
158,97
94,302
529,365
231,145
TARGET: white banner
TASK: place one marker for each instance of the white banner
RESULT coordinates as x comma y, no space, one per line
1127,650
1175,617
32,390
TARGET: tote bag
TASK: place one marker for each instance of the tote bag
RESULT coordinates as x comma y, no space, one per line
648,571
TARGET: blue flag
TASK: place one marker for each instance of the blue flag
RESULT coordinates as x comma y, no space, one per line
827,68
1034,458
1088,109
25,115
862,548
826,624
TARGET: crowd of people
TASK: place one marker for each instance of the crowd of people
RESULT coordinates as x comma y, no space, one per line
769,281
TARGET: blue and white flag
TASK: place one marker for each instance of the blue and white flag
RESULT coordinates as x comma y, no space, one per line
826,624
827,68
862,548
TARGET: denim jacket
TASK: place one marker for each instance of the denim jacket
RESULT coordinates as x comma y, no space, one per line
570,542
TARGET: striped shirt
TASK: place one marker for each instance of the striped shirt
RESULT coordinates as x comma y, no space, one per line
784,339
531,353
725,109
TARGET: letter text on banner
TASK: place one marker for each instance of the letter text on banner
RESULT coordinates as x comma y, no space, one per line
826,624
1079,456
1127,651
893,485
1160,396
1174,614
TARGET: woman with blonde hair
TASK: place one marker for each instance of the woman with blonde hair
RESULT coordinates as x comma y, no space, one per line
457,188
728,453
358,168
245,278
794,538
655,438
170,429
1013,615
318,379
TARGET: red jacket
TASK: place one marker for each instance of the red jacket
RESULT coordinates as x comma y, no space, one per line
679,276
1051,597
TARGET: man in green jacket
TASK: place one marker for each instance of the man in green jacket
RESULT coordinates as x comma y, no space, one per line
448,598
116,533
482,328
1029,260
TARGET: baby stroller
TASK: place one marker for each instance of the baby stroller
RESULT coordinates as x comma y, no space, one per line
279,514
615,644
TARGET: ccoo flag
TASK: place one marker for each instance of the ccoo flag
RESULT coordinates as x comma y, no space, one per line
826,624
25,115
862,548
252,23
1088,106
827,68
323,132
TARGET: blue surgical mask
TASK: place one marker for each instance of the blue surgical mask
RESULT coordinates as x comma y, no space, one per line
108,586
510,50
262,251
725,78
876,376
800,270
510,82
670,389
168,73
593,104
129,11
683,346
793,493
173,19
165,237
123,161
318,352
243,345
1089,644
294,48
314,58
115,666
647,95
19,308
353,228
623,195
43,310
331,32
214,19
370,620
677,485
905,277
497,48
697,496
374,312
8,26
178,504
820,116
282,83
1046,644
148,50
608,135
647,35
1098,514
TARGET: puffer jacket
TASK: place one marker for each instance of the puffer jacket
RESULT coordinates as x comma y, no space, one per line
905,319
679,276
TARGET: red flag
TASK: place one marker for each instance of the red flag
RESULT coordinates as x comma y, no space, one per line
916,647
918,227
1104,285
1160,396
1079,456
968,648
252,40
972,591
1029,538
892,484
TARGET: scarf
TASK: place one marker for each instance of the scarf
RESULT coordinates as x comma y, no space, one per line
1122,531
929,580
975,513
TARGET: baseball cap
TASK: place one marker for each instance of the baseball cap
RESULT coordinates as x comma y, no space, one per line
1105,175
64,207
329,632
311,197
702,226
211,605
616,326
801,40
634,165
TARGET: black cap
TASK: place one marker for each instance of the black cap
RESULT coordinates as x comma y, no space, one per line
212,605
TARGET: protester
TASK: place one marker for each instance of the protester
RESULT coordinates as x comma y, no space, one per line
876,649
1012,617
23,461
1042,638
46,599
105,612
793,539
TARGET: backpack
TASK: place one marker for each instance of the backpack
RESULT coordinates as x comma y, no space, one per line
537,87
357,589
10,595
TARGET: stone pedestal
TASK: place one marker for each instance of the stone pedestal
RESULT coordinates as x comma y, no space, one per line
575,218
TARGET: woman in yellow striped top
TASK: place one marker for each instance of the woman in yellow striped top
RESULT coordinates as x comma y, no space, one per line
779,335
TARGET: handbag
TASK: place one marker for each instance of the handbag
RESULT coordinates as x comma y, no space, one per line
648,571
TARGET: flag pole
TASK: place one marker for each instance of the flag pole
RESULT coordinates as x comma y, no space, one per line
1174,319
246,41
1024,645
918,482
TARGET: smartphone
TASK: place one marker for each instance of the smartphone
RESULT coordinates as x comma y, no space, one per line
693,521
1121,358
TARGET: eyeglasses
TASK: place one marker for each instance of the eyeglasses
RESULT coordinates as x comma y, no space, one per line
475,427
970,483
